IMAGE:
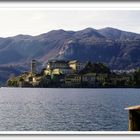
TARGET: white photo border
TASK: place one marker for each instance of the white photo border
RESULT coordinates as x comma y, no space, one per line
70,6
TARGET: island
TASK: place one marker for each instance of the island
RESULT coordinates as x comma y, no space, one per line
75,74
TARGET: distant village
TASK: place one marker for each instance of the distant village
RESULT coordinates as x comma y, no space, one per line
75,74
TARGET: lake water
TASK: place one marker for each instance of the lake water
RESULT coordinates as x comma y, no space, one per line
38,109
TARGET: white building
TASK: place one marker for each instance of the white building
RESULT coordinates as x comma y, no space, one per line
76,65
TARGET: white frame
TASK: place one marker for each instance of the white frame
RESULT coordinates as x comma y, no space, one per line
75,6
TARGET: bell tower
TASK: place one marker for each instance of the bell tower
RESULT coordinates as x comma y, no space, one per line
33,66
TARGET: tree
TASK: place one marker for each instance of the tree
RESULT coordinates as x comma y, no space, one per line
12,83
95,68
137,77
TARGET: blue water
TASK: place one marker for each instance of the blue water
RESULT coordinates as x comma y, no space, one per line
35,109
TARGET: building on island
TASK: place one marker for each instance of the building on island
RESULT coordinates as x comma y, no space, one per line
33,66
63,67
57,67
62,71
102,77
54,64
73,80
76,65
89,78
121,80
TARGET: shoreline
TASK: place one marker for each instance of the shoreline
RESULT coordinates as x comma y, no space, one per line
74,87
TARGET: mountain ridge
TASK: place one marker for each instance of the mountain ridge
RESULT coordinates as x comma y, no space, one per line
106,45
116,48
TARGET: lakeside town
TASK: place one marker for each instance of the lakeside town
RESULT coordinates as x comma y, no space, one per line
75,74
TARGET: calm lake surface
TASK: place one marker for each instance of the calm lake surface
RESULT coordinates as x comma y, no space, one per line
38,109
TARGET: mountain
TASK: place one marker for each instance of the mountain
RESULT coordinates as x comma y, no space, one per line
9,71
118,49
116,34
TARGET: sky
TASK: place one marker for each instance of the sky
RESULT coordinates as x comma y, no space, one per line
37,21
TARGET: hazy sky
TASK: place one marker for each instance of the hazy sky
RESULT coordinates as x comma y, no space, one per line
36,21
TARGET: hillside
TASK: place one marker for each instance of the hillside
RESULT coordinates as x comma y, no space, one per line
118,49
9,71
